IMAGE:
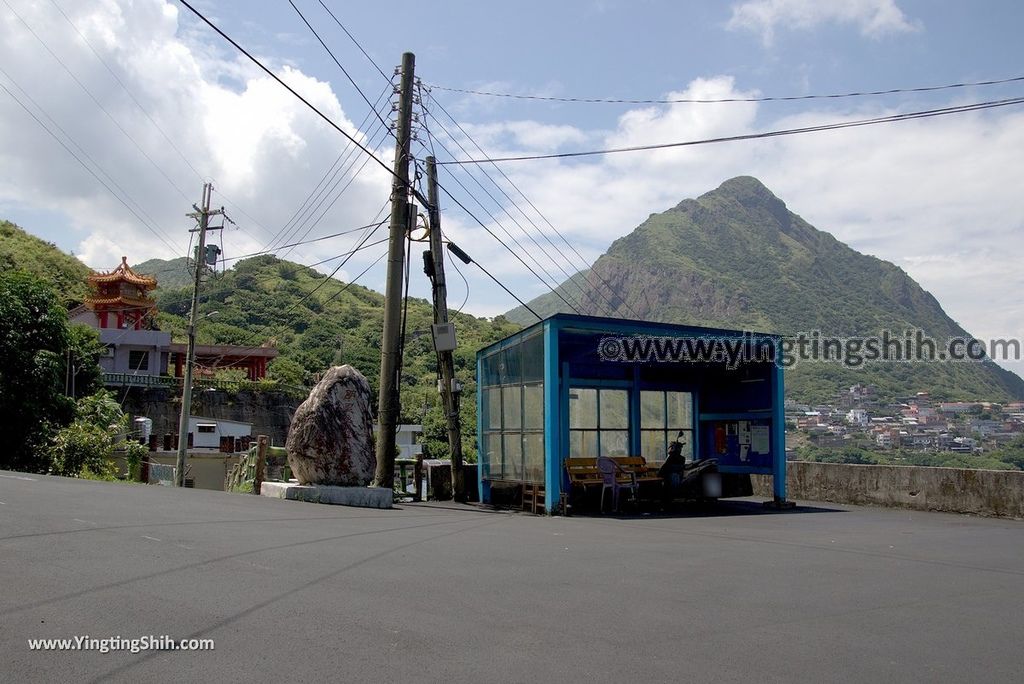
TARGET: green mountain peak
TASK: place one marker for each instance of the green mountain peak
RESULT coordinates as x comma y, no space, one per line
737,257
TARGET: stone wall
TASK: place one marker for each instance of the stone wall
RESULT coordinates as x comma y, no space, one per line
956,490
269,412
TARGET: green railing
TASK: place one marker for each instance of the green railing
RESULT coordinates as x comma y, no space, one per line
169,382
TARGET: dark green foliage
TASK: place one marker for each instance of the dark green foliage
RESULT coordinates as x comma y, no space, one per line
737,258
265,298
35,346
170,274
1008,457
19,250
87,444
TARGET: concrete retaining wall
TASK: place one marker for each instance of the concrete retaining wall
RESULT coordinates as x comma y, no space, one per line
957,490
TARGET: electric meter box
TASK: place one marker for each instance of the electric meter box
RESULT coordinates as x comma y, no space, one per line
444,336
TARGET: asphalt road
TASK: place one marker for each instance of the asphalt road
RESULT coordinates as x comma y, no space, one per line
430,593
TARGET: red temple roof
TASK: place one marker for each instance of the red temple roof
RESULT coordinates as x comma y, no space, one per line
124,273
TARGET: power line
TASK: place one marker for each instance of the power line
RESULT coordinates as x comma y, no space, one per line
353,39
337,195
687,100
304,242
315,314
514,240
97,102
341,166
90,170
586,265
465,258
362,245
522,229
510,250
287,87
924,114
167,138
335,59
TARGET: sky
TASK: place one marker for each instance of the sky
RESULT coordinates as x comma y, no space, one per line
115,112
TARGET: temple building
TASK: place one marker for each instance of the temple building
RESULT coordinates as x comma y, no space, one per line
121,308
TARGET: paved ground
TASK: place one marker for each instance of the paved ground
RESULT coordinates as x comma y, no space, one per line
295,591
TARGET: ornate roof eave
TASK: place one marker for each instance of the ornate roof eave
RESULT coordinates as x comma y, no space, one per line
123,272
91,302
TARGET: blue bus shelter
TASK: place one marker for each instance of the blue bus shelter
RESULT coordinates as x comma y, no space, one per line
585,386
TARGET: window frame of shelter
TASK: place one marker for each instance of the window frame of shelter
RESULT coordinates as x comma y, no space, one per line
661,423
512,443
602,430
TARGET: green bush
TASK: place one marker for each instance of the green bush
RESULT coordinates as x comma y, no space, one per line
79,446
133,455
85,447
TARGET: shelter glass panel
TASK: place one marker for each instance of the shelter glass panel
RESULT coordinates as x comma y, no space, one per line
512,407
512,468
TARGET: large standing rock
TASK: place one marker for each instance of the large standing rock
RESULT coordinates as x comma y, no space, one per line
330,441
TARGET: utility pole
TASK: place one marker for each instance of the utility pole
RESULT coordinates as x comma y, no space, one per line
388,405
203,214
445,362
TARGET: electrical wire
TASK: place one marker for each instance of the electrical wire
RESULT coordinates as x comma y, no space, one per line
923,114
502,285
330,122
304,242
522,229
97,102
351,177
511,251
167,138
362,245
586,265
93,173
328,182
353,39
570,278
464,282
335,59
688,100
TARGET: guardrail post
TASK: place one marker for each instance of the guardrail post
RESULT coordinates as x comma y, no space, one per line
261,460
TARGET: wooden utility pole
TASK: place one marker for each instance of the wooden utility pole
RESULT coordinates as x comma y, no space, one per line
203,214
388,399
445,361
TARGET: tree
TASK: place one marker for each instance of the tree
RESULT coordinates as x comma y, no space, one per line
34,351
88,443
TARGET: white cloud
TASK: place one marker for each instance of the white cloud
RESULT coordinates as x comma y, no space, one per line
938,197
874,18
260,146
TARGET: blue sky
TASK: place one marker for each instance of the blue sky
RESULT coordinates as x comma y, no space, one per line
939,197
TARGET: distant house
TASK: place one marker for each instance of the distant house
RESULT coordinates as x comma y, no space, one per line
407,438
207,432
857,417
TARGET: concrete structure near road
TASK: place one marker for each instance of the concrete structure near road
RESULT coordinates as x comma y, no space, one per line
213,357
998,493
583,386
207,432
361,497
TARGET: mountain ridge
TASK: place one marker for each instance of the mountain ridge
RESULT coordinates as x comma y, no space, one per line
737,257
